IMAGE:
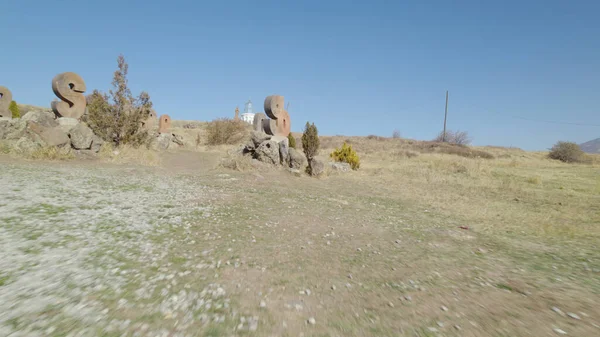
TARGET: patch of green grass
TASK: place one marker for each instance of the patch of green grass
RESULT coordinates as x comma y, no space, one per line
504,286
4,279
42,208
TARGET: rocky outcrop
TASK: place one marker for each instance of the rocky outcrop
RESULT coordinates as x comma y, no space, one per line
273,150
43,118
49,136
38,129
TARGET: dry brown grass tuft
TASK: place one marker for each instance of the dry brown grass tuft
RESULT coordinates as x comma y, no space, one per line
44,153
226,131
126,154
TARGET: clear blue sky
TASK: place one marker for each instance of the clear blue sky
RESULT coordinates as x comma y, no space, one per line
353,68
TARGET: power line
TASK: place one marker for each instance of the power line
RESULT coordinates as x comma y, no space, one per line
545,121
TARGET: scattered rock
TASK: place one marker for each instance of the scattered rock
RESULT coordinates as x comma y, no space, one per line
163,141
268,152
432,329
559,331
333,287
573,316
312,321
27,144
558,311
317,167
177,139
283,152
341,167
296,159
97,143
4,127
81,137
263,304
444,308
457,327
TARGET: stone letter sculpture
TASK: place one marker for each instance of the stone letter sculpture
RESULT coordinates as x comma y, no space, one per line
280,124
164,124
5,99
237,114
69,87
257,123
150,121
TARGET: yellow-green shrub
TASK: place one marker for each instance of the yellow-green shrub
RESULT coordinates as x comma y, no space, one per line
346,155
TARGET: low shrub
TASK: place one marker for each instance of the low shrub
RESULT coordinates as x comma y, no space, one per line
346,154
567,152
453,149
14,109
453,137
226,131
292,141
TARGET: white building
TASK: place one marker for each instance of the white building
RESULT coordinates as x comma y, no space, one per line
248,115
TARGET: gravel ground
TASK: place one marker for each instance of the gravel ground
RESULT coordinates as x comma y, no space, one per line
85,252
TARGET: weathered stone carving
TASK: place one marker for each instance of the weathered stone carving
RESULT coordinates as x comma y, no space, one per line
283,124
164,124
5,99
269,126
258,122
274,106
69,87
150,121
237,114
280,124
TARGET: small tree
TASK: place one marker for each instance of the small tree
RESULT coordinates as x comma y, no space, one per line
291,140
14,109
567,152
396,134
310,144
119,122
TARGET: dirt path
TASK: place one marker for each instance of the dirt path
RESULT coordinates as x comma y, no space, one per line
191,249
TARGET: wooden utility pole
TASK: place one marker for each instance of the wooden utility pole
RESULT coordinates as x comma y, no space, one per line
445,117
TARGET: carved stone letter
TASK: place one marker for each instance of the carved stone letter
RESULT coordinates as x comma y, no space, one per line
5,99
164,124
69,87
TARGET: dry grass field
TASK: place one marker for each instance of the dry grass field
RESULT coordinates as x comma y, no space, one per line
423,240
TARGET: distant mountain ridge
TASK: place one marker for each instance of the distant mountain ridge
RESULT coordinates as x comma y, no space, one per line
593,146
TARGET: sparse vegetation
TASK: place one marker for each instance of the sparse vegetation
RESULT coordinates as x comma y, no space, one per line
310,144
226,131
396,134
292,141
567,152
453,137
14,109
119,122
346,154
